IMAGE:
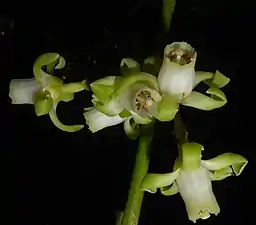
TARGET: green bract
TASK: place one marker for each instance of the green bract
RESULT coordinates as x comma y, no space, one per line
45,91
192,178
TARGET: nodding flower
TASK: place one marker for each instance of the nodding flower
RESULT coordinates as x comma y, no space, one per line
192,178
45,91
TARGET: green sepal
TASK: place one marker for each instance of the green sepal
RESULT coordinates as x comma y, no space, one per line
203,102
170,190
152,65
129,67
103,88
152,181
167,108
217,79
225,165
75,87
47,59
191,156
43,103
144,78
125,113
60,125
132,130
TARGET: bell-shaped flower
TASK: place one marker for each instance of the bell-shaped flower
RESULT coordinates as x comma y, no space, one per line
177,74
192,179
45,91
177,78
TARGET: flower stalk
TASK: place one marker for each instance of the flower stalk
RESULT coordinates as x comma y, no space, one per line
132,210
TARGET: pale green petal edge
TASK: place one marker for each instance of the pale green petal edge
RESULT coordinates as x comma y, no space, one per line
170,190
129,66
61,126
216,79
225,165
151,181
43,103
167,108
144,78
131,130
45,60
203,102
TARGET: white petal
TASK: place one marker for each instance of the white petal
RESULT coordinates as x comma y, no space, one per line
97,120
176,79
196,190
22,91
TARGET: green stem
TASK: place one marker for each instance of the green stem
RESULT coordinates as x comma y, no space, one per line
180,131
132,210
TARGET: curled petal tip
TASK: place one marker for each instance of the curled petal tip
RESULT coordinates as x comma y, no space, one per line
61,126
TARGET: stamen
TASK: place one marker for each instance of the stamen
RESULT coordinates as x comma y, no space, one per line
180,56
143,101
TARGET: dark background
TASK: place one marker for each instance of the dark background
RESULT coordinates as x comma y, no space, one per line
53,177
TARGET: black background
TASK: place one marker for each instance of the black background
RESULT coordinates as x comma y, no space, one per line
53,177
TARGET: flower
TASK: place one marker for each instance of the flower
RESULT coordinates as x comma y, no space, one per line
141,97
177,73
46,91
132,99
192,178
177,78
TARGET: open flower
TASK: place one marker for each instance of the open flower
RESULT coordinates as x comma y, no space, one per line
177,74
177,78
132,99
192,178
46,91
140,96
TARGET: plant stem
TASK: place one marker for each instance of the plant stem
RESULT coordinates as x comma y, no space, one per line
132,210
180,131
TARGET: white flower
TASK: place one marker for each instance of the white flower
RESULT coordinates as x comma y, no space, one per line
192,177
45,91
132,99
177,73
